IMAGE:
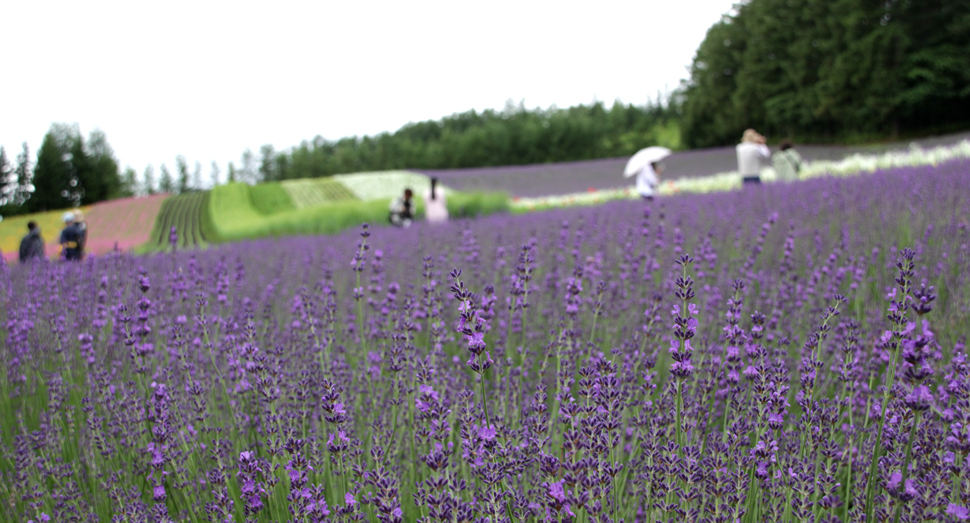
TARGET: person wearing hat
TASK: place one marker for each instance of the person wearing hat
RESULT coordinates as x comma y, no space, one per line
751,151
71,238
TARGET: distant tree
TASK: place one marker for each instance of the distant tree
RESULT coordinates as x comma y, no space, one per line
214,174
148,179
165,182
282,166
514,135
8,179
54,175
267,164
82,172
197,176
182,165
17,184
232,173
25,178
97,169
830,70
247,169
129,183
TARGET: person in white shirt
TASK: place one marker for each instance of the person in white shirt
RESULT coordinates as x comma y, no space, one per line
751,151
648,178
435,205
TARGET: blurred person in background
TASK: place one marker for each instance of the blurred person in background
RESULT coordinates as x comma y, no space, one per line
751,151
82,226
71,238
435,206
648,179
32,245
402,210
787,163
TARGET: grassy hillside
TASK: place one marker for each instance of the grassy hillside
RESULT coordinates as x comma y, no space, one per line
232,214
271,198
238,211
184,212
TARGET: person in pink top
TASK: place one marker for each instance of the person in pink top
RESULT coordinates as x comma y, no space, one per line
435,205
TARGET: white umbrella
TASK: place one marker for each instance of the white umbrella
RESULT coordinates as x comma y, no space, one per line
643,158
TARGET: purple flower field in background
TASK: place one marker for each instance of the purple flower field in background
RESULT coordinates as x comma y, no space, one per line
530,181
788,353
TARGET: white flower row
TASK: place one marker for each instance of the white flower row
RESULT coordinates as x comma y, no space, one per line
383,184
914,157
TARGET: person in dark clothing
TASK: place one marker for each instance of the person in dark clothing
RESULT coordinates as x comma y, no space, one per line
32,246
71,238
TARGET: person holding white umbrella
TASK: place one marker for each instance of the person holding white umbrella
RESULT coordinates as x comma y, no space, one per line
646,166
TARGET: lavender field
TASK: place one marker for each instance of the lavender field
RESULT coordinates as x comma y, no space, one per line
547,179
789,353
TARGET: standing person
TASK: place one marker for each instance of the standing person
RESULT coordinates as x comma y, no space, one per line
751,151
82,226
70,239
402,210
32,245
787,163
648,178
435,206
647,167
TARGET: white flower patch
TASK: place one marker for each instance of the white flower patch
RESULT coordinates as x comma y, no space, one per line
914,157
383,184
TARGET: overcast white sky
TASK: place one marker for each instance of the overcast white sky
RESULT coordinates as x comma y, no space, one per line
207,79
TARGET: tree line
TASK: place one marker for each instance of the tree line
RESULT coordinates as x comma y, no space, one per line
69,171
514,135
818,71
830,70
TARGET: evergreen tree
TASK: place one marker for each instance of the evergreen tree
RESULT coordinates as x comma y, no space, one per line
54,180
129,183
267,164
282,166
8,179
232,173
830,70
197,176
25,178
165,182
247,169
82,172
100,177
182,165
149,180
214,174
